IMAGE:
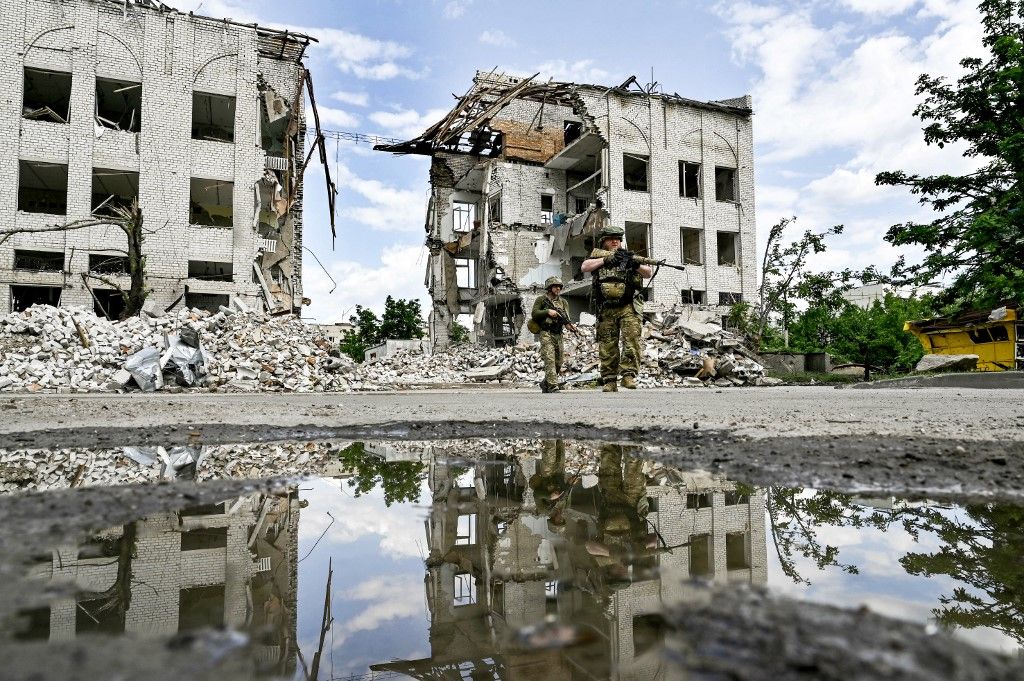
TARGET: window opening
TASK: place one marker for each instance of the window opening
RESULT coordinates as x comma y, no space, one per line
42,187
692,246
999,333
208,270
465,589
979,335
638,238
727,248
463,215
700,555
101,263
42,261
119,104
465,273
107,303
737,553
692,296
725,184
201,606
734,498
47,96
571,131
729,298
211,302
582,205
24,297
213,117
211,202
698,500
113,189
634,172
547,202
494,208
689,180
204,538
648,633
465,532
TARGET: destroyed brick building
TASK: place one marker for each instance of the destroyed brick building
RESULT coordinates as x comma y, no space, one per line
199,119
525,172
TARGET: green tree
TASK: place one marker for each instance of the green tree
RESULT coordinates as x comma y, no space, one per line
402,320
459,333
365,334
979,234
399,480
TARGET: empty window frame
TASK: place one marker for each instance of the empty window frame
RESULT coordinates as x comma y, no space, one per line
465,530
571,131
103,263
464,589
700,555
689,180
107,303
213,117
737,551
113,189
698,500
691,246
201,607
463,216
727,248
211,202
581,205
494,208
47,96
692,296
729,298
465,273
96,617
208,270
735,498
119,104
211,302
638,238
40,261
24,297
725,183
547,210
648,633
43,187
204,538
634,172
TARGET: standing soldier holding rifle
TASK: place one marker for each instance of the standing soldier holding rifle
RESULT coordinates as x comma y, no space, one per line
550,315
618,284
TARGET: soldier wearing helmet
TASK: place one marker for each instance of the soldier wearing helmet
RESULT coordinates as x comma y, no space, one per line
550,315
618,280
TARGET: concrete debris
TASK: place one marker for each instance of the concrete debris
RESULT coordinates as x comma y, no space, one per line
947,363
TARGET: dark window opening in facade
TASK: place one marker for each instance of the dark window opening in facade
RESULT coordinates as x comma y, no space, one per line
208,270
465,273
729,298
725,184
33,624
689,180
113,189
581,205
97,617
737,551
464,589
211,202
211,302
275,117
700,555
494,208
648,633
119,104
40,261
735,498
200,607
107,303
571,131
102,263
203,509
698,500
47,96
24,297
213,117
634,172
692,296
691,246
204,538
42,187
638,238
727,248
463,216
547,210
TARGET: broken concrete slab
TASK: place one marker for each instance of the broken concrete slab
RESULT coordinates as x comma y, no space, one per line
487,373
947,363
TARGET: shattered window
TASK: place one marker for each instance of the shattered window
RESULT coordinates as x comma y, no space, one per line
727,248
113,189
213,117
726,298
692,296
24,297
211,202
999,333
692,246
210,271
43,261
463,215
634,172
689,180
465,273
47,96
43,187
119,104
725,184
547,202
101,263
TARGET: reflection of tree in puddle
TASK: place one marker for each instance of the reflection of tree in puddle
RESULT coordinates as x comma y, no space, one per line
399,480
982,549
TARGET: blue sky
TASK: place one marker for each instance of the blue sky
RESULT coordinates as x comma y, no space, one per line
832,82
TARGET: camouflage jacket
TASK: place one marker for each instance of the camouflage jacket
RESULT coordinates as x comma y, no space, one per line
541,316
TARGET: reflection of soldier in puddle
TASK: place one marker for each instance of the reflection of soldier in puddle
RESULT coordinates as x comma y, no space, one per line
549,484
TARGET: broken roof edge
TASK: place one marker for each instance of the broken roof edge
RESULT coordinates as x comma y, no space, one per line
162,7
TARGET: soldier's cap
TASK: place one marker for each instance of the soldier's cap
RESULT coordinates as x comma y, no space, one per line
610,232
552,281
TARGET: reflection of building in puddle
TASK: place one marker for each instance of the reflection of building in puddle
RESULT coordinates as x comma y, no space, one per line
231,564
586,547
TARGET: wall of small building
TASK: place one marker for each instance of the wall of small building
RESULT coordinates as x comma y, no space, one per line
172,55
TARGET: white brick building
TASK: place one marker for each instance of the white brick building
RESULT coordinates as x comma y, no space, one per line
200,119
524,174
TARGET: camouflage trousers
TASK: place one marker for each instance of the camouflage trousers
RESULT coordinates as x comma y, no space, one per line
616,322
552,351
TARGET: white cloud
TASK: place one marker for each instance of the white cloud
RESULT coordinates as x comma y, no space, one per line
390,209
453,9
353,98
390,598
879,7
579,71
407,122
336,118
497,38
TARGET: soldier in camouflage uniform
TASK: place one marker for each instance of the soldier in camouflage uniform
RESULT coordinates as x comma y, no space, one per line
618,280
550,313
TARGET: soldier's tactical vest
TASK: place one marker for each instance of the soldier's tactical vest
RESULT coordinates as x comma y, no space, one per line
613,287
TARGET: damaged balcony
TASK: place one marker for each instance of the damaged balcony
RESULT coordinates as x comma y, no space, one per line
581,154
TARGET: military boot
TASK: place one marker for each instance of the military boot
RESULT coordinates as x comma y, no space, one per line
544,387
629,382
610,387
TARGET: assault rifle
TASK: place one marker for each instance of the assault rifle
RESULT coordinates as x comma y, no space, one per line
627,261
566,322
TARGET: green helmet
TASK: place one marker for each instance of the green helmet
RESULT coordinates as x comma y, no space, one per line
552,281
610,232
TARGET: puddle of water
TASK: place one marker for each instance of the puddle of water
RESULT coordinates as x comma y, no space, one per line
497,558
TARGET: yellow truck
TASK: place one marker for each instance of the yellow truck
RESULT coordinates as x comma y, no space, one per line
995,336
